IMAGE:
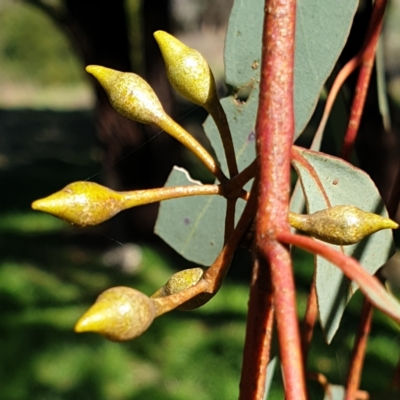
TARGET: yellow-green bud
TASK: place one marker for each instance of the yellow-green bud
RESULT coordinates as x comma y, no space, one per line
119,314
187,70
180,281
340,225
129,94
82,203
132,97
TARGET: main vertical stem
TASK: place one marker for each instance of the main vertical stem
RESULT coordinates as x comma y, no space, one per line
275,130
257,347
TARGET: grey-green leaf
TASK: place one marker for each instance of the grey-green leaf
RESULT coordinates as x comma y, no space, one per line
330,181
242,117
322,28
243,43
193,226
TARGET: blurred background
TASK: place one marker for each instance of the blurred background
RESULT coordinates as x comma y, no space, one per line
56,127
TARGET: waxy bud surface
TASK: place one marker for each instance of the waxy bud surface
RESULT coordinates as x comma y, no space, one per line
120,314
341,225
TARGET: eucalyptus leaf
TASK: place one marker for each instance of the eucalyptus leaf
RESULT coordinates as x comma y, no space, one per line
329,181
320,25
382,86
193,226
200,237
241,117
322,28
243,43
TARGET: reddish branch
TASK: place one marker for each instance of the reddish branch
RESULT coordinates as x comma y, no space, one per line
368,284
310,318
367,62
344,73
360,346
258,335
275,129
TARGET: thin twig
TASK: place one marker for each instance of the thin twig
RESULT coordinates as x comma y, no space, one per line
216,273
176,131
138,197
359,349
310,319
244,176
367,62
230,218
344,73
368,284
213,277
219,116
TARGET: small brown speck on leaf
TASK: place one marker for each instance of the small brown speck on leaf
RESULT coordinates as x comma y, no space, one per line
255,65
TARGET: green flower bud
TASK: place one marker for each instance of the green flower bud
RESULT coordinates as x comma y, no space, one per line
132,97
181,281
340,225
119,314
187,70
82,203
129,94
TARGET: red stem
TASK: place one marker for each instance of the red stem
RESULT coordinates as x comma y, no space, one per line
369,285
367,62
310,318
258,335
357,359
341,77
275,129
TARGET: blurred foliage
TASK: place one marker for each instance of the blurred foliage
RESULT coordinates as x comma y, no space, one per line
34,49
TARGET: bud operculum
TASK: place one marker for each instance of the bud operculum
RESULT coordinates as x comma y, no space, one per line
341,225
129,94
183,280
132,97
187,70
82,203
119,314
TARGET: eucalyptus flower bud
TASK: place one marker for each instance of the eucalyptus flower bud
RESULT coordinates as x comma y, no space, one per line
119,314
82,203
181,281
129,94
187,70
132,97
340,225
